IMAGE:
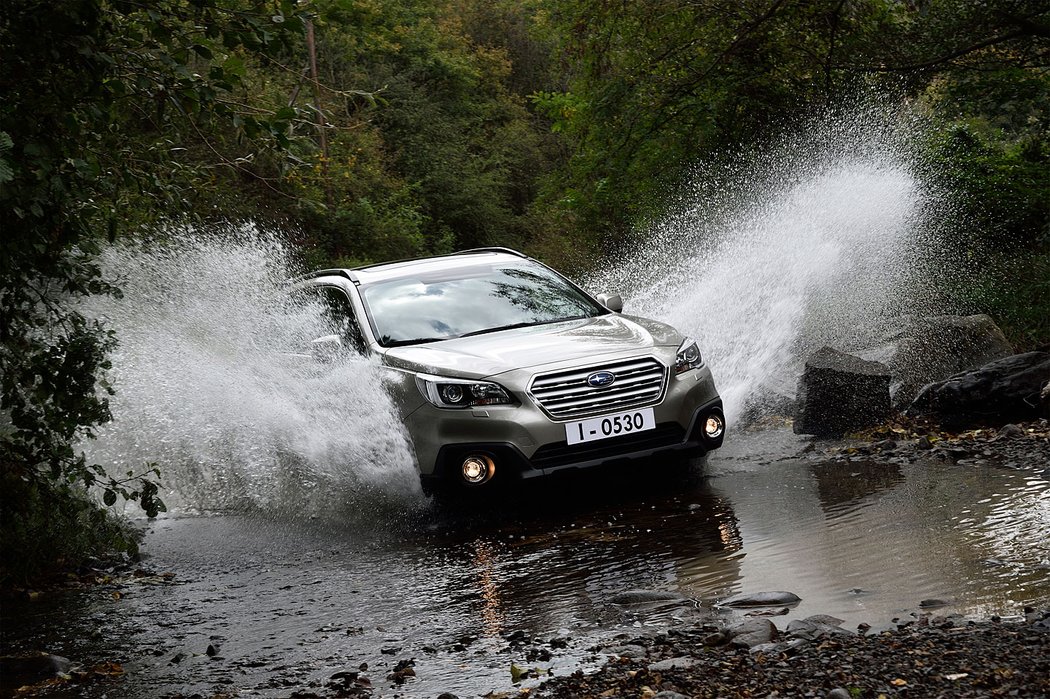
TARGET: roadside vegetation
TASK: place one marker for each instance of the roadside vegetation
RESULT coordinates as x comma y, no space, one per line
368,130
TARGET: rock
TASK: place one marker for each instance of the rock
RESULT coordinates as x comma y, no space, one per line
1044,396
840,393
933,603
1004,391
752,632
1010,431
681,663
838,693
632,597
812,629
20,670
761,599
920,350
630,650
668,694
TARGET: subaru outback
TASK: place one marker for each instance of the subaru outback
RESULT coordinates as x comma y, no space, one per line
504,369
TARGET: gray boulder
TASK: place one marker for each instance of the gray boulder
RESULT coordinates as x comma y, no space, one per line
840,393
1006,390
752,632
920,350
1044,396
642,597
777,598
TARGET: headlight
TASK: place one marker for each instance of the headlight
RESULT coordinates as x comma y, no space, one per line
461,393
688,356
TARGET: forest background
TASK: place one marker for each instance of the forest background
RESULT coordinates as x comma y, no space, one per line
375,129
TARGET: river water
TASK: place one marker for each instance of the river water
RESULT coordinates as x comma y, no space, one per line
287,603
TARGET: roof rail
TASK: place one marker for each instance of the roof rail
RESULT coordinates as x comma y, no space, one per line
508,251
345,273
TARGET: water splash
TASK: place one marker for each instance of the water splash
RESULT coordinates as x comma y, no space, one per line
805,243
207,389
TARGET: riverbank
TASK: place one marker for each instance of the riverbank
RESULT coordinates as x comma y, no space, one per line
926,658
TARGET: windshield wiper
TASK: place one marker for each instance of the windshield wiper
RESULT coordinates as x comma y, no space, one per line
508,327
416,341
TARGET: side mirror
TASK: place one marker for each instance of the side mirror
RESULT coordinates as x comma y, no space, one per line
326,349
611,301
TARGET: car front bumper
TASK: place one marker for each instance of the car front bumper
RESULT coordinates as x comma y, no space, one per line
525,443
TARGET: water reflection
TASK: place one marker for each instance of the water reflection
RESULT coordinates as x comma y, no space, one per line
556,561
846,485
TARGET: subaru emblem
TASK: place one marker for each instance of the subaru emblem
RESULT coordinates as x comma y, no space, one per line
601,379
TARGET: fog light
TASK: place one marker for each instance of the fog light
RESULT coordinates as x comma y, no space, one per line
478,468
714,427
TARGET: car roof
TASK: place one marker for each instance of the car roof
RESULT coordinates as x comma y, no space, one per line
400,268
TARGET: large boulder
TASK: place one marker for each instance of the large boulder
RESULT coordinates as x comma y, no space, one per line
1044,395
920,350
1003,391
840,393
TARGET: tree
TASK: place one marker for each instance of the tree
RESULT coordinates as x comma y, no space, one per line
99,96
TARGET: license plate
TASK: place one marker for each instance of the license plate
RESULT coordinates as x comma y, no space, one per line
610,426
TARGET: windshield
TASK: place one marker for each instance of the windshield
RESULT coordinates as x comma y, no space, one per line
471,301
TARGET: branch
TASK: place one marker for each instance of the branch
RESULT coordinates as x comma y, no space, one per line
992,41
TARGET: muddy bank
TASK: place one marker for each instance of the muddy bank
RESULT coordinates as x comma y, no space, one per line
940,658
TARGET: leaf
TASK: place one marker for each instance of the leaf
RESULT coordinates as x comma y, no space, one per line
109,497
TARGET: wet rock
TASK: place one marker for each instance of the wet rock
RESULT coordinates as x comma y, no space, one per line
840,393
1004,391
402,671
680,663
884,445
516,638
919,350
558,643
933,603
350,683
19,670
761,599
1010,431
812,629
447,695
632,597
752,632
630,650
769,612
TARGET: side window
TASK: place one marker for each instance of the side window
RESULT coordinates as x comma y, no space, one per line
340,316
329,312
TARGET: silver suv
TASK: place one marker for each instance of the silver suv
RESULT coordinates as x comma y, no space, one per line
502,368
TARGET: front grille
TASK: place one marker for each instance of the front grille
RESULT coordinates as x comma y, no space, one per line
566,395
560,453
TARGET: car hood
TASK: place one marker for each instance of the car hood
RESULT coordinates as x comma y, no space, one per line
486,355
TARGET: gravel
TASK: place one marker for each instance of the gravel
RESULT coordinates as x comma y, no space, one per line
937,659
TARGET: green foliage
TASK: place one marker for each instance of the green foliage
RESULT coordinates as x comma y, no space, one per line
657,86
97,95
428,147
48,528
